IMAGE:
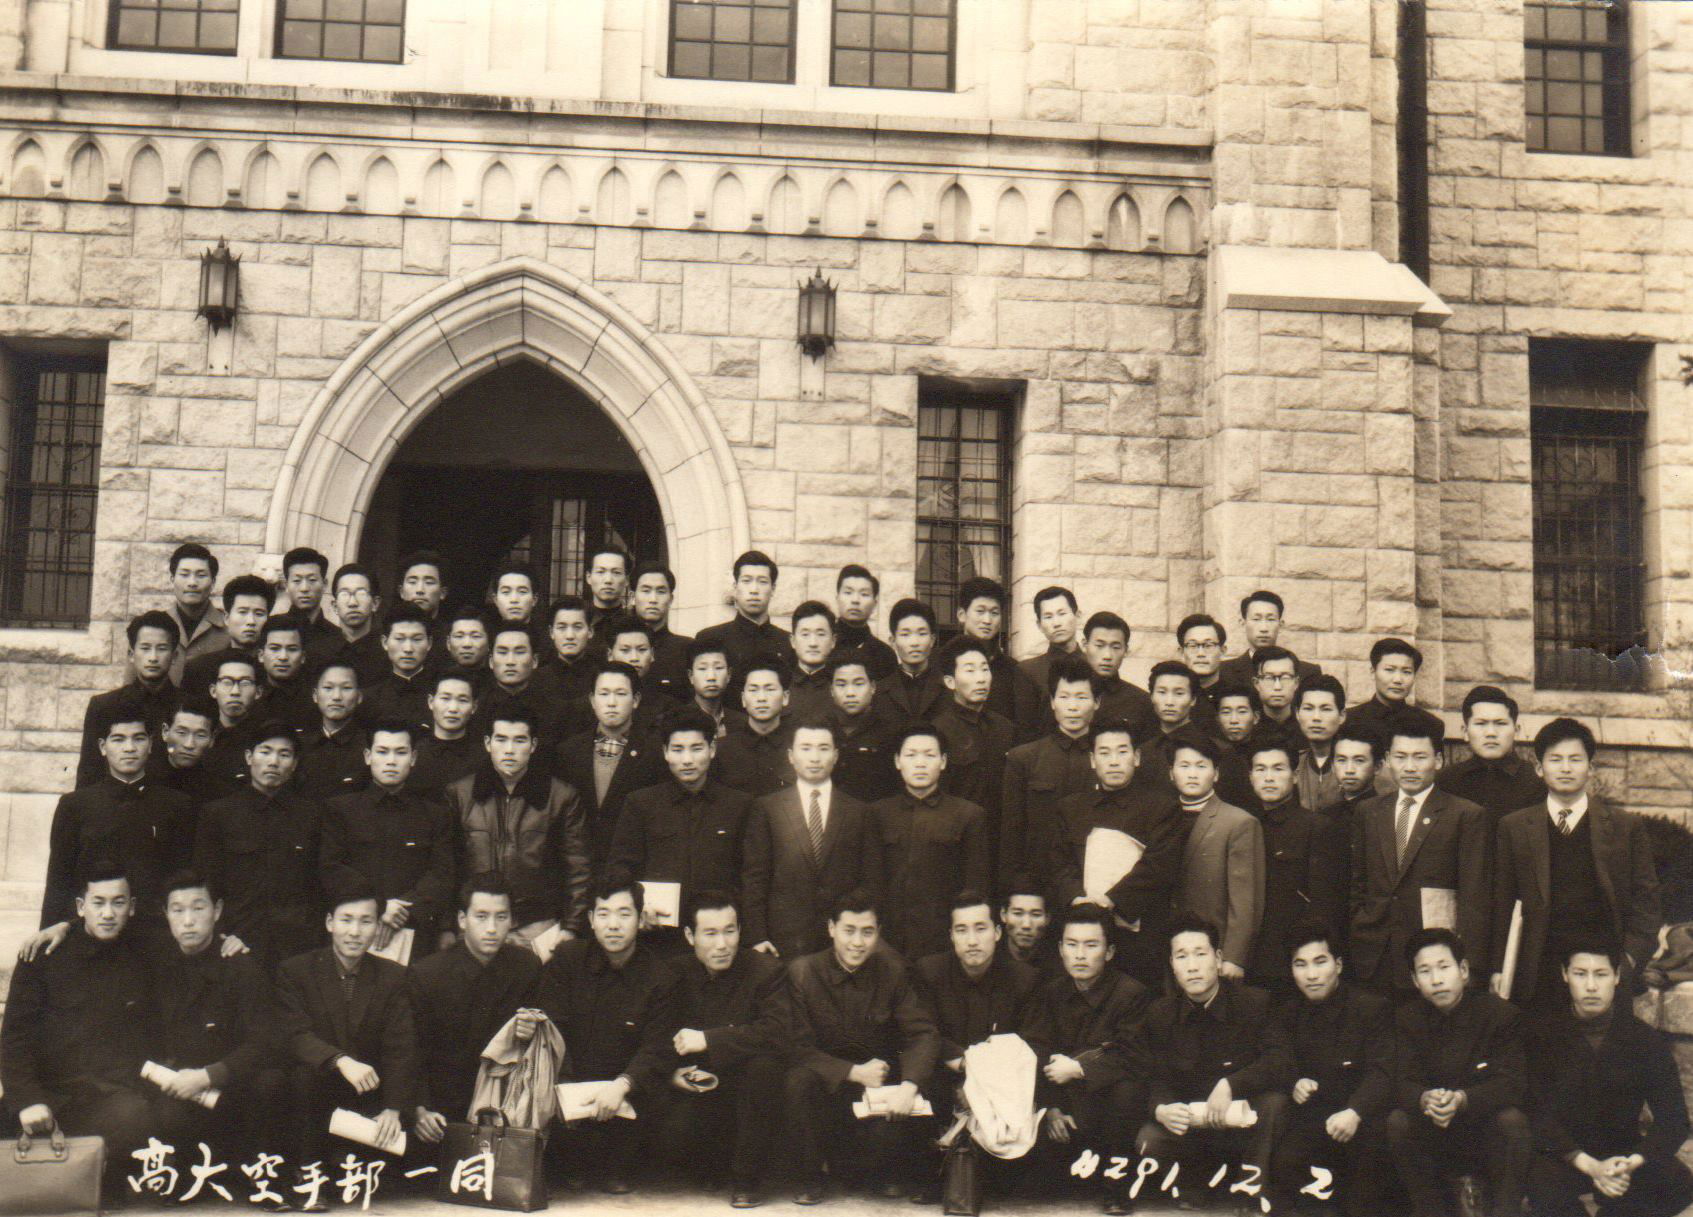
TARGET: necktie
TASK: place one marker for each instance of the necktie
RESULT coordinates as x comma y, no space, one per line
814,826
1564,820
1402,825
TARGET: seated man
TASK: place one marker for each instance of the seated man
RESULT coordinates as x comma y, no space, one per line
602,994
463,996
394,839
857,1024
1339,1039
259,850
219,1031
1211,1043
1458,1080
1085,1028
348,1020
1592,1066
722,1012
79,1025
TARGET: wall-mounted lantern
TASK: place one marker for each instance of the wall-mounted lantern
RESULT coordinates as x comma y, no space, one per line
220,285
816,315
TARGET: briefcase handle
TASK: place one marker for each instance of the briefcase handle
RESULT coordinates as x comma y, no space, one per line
492,1115
56,1140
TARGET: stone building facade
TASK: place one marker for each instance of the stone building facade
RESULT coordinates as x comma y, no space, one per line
1171,233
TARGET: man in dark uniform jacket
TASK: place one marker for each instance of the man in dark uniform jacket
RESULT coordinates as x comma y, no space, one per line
1043,772
259,850
866,768
332,752
805,847
467,646
912,692
1458,1082
933,844
982,605
1339,1039
813,640
449,750
651,591
1592,1066
398,841
752,756
179,764
247,602
1304,865
1579,866
602,993
1211,1043
347,1017
79,1024
153,639
1261,614
1085,1028
858,1023
565,676
403,691
1394,664
219,1031
286,685
1028,926
977,737
856,594
1056,617
687,828
722,1011
612,760
357,605
751,633
146,829
1105,644
1494,777
235,689
463,996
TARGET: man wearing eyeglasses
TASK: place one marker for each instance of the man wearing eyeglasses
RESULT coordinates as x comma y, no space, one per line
1200,638
1277,681
235,689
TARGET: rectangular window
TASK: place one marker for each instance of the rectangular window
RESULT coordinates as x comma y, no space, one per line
1588,432
1576,76
894,44
199,27
732,40
355,31
51,488
963,487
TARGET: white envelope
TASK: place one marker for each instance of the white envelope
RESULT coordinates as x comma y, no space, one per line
399,947
1110,854
663,900
875,1103
351,1126
576,1101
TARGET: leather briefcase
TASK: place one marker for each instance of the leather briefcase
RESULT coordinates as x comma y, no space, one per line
492,1165
961,1183
52,1176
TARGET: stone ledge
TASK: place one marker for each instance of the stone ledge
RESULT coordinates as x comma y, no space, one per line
1323,281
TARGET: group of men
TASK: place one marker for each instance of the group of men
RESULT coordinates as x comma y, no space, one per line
758,876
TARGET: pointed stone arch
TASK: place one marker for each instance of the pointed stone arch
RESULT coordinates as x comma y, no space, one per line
517,309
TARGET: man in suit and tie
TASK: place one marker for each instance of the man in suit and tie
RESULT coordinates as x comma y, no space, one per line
610,762
1419,859
1223,859
806,846
1579,866
347,1017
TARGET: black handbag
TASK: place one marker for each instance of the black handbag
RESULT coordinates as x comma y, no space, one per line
53,1176
961,1184
491,1165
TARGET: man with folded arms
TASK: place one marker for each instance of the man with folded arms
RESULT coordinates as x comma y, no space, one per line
715,1057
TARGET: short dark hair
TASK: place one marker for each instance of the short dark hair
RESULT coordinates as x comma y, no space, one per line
615,625
329,665
100,870
282,623
1412,723
919,730
516,715
420,557
969,898
1592,942
153,619
188,879
1237,689
616,667
1084,914
565,604
1194,621
197,704
1360,732
1195,740
467,612
652,566
767,662
755,557
812,608
1396,646
1561,731
1055,592
847,659
816,723
910,607
1173,667
511,627
1115,726
684,719
1107,620
405,613
249,585
489,883
193,549
1308,930
1267,597
395,726
121,711
304,555
958,648
1189,922
617,551
1434,936
1267,655
1271,743
1490,696
234,656
617,879
1073,669
705,901
353,890
1322,682
351,568
704,646
445,674
858,900
1023,884
852,570
274,729
512,568
980,587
